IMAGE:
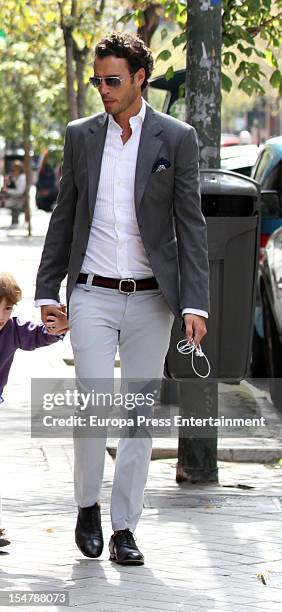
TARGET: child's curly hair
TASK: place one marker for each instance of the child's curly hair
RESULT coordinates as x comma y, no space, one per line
9,289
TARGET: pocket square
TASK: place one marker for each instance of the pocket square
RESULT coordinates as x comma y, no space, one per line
161,164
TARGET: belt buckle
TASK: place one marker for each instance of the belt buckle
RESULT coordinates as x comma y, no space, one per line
127,280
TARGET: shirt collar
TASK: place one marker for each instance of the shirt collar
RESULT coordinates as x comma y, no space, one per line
134,121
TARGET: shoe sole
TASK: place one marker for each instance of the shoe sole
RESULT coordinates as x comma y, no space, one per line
126,562
86,554
89,555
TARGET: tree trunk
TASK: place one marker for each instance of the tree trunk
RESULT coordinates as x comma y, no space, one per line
203,77
146,31
197,452
80,57
72,101
69,50
197,448
152,19
27,160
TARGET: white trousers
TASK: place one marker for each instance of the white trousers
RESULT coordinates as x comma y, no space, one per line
140,324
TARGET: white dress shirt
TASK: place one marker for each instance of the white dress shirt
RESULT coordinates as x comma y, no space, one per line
115,248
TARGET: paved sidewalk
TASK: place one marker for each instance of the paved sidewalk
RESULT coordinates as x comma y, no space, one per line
203,545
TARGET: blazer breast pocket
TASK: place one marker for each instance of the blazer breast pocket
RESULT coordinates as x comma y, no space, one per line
163,175
162,181
162,164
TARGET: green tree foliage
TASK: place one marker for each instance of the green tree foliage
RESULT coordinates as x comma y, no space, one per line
80,22
45,53
30,77
31,70
45,64
254,27
251,38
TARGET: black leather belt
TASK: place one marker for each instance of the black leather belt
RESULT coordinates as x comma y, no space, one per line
124,285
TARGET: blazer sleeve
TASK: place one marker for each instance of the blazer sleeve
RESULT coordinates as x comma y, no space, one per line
55,257
190,225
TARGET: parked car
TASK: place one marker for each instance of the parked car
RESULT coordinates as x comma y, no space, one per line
270,289
268,172
239,158
229,140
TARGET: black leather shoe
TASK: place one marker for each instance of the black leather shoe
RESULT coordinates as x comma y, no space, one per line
88,531
123,549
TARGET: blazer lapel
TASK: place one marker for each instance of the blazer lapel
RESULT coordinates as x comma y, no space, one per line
95,142
149,147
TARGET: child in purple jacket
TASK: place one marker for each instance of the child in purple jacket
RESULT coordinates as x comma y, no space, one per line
27,336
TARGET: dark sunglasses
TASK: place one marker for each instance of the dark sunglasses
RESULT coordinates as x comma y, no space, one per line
111,81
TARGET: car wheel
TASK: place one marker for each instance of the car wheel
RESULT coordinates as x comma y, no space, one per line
273,354
258,365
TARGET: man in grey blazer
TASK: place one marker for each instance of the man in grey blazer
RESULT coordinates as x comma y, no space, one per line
129,233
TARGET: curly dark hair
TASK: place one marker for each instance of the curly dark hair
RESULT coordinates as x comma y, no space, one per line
130,47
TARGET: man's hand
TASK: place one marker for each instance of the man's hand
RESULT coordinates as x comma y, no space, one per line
54,319
195,327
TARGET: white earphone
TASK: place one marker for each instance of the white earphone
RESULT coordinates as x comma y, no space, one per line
186,347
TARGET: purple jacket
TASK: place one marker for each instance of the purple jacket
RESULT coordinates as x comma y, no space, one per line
24,335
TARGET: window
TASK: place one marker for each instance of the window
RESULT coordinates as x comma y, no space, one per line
261,165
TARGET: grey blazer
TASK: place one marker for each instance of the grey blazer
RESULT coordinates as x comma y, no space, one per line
167,202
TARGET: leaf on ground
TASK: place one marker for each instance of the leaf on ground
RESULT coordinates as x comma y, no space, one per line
270,578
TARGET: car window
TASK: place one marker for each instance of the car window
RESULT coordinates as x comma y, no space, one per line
177,109
157,98
261,165
273,179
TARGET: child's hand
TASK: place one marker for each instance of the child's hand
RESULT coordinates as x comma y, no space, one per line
57,322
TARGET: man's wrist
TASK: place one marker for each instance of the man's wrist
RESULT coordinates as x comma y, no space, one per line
47,302
195,311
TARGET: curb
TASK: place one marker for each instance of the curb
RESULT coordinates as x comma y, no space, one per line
236,455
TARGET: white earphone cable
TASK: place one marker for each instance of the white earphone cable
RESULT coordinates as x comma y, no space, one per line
185,348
